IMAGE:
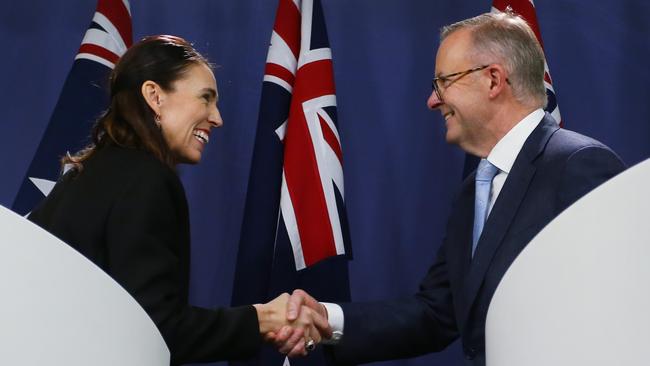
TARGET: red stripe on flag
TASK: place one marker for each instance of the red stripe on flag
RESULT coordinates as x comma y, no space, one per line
99,52
331,139
314,79
306,191
287,25
547,78
526,10
280,72
118,14
301,169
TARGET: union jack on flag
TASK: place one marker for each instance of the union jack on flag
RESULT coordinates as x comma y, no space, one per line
109,34
294,233
312,178
81,101
526,9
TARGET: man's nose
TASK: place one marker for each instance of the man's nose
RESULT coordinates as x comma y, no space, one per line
434,101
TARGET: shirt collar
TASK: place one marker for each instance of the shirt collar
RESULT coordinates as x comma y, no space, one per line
505,152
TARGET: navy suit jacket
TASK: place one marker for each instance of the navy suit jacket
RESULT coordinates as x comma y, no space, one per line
554,168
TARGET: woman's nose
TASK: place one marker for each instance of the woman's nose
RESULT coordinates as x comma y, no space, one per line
215,117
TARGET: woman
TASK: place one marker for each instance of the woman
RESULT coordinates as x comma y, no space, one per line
122,204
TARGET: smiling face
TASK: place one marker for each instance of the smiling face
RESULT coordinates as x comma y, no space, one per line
188,112
464,100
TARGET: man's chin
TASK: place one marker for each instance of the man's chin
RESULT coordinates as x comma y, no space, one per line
451,138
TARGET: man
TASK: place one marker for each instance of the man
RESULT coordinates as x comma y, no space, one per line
489,88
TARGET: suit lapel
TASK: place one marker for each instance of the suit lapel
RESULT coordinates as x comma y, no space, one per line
462,234
510,198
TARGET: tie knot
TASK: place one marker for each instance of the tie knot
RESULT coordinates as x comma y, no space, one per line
486,171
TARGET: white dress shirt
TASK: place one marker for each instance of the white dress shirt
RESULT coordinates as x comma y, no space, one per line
505,152
503,156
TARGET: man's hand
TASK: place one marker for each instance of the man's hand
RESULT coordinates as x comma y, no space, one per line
291,322
300,298
301,307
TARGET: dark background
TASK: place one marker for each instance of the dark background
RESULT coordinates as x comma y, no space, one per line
399,173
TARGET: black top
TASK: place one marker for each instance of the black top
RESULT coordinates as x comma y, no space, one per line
126,211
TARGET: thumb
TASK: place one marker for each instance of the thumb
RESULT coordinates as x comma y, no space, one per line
296,300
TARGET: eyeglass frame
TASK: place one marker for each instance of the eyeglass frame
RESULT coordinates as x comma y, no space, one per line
460,74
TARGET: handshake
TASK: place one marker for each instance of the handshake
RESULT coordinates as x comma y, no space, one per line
294,323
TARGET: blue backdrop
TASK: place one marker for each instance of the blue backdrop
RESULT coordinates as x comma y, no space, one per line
399,173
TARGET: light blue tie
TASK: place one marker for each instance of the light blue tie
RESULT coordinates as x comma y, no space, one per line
484,175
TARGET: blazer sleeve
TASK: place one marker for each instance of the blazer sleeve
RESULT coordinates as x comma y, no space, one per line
147,238
586,169
408,327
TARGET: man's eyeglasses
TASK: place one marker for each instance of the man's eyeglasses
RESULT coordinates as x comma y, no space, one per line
445,81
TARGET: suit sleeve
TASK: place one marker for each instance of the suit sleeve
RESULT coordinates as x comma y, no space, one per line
402,328
586,169
148,254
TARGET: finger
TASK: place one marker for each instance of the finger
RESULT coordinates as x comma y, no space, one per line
282,336
270,337
306,320
298,349
313,334
307,299
310,318
295,338
322,325
295,302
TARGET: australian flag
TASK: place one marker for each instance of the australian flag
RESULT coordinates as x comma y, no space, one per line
295,233
83,98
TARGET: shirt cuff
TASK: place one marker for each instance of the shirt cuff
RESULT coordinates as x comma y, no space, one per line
336,321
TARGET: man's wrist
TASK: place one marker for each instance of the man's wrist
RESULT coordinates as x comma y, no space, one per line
335,319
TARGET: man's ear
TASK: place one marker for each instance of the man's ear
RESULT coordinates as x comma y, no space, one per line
498,79
153,94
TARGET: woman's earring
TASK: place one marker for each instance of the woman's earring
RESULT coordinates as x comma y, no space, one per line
157,120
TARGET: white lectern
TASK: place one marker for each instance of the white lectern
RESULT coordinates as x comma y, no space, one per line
579,293
58,308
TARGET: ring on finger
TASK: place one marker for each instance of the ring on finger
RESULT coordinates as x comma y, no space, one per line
310,345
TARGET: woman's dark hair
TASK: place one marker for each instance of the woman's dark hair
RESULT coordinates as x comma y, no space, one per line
129,121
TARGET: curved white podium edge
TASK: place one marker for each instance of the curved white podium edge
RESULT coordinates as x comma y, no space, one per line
579,293
58,308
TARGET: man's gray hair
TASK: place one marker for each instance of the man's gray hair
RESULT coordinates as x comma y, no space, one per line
507,39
